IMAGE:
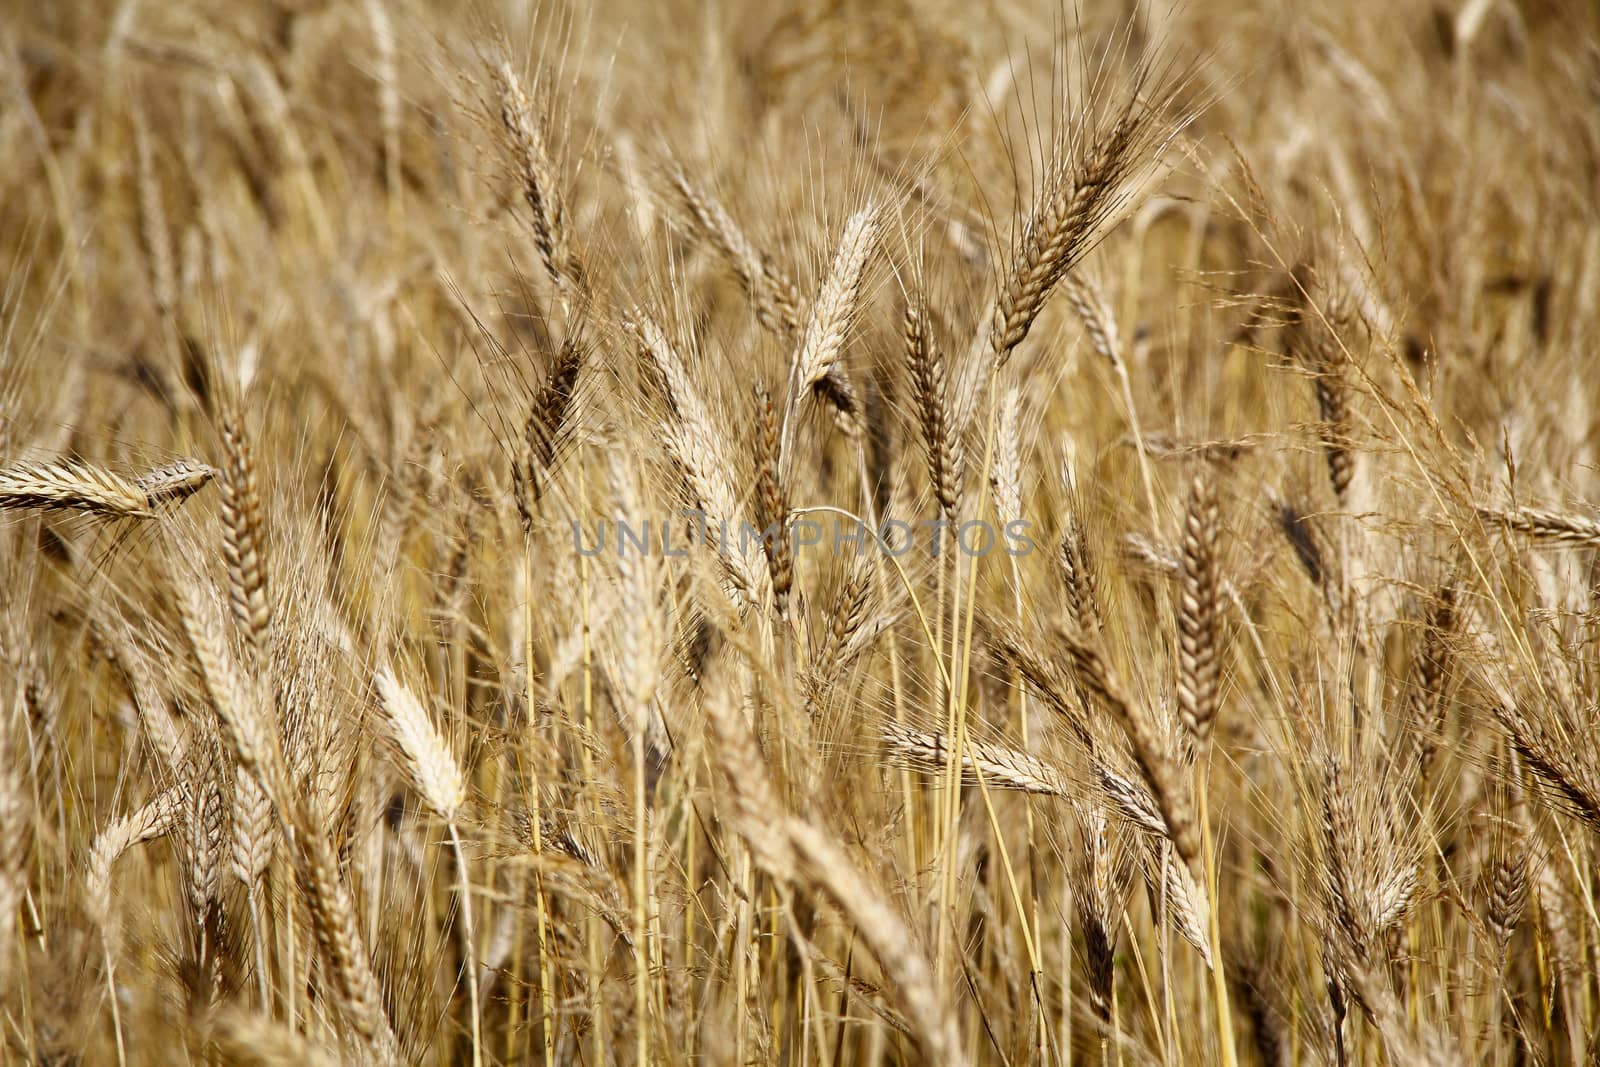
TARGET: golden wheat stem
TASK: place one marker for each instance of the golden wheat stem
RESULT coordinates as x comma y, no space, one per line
741,966
1219,983
116,1010
592,924
1138,442
955,728
263,993
1116,1027
469,943
896,680
641,932
515,995
536,818
1011,875
959,667
1031,916
691,849
1151,1001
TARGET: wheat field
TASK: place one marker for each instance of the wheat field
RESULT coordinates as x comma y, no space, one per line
817,532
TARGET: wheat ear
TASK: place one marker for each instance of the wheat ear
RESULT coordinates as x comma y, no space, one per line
1005,476
1000,766
244,533
696,447
1073,203
1199,615
929,391
338,937
1155,764
772,294
73,485
1430,670
1547,526
536,171
1567,781
829,323
549,422
239,717
174,482
772,502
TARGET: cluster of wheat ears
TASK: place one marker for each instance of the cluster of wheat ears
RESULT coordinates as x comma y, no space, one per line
333,333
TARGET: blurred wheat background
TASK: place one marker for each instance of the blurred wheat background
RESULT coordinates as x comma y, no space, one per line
334,333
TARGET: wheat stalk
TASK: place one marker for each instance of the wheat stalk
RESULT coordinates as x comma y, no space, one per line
14,846
791,848
435,774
